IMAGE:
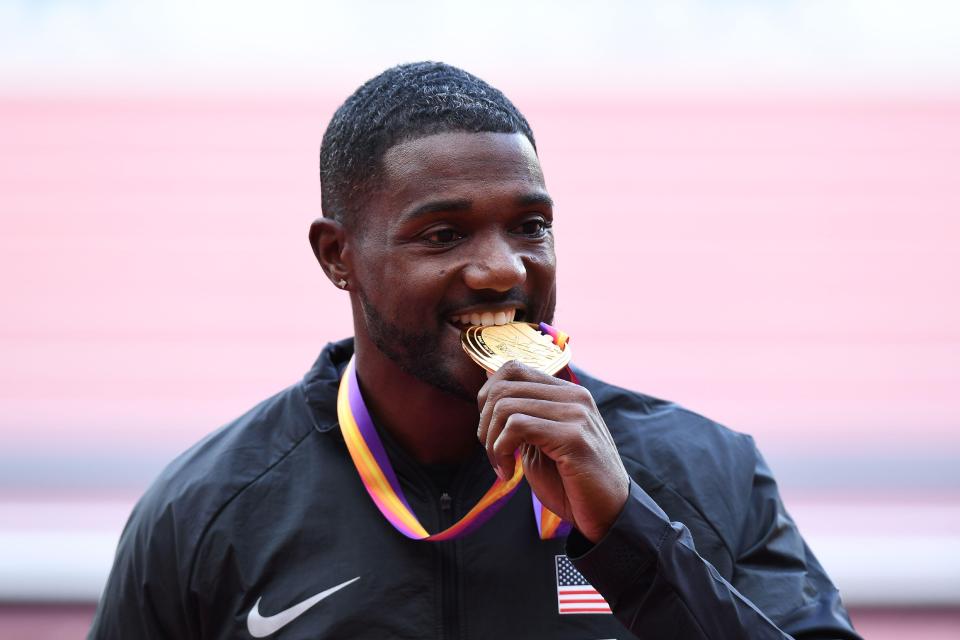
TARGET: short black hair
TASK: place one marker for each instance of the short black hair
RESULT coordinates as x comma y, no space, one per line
403,103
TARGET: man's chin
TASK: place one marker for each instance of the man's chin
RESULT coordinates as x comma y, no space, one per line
460,377
475,377
433,357
453,374
464,388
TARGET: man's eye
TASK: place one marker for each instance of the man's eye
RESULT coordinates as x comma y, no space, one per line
534,228
443,236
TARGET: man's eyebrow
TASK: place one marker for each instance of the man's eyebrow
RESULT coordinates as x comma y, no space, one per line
535,199
455,205
438,206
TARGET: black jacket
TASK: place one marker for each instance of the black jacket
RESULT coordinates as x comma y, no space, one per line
269,511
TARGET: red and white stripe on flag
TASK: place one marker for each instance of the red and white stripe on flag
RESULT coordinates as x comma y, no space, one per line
574,593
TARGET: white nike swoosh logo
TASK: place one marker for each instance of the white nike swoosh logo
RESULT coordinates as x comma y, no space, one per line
260,627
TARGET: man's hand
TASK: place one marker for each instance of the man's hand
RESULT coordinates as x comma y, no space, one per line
568,455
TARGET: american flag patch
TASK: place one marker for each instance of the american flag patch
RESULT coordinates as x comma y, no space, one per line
574,593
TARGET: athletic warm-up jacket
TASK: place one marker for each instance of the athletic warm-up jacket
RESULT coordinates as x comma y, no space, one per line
264,529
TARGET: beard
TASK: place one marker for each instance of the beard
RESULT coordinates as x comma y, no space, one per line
419,354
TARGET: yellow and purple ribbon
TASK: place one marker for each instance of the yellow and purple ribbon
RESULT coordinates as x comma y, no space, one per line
376,472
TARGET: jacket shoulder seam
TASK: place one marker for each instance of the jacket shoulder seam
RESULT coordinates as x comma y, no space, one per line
686,501
226,503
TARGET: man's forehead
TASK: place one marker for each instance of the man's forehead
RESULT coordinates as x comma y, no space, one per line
461,156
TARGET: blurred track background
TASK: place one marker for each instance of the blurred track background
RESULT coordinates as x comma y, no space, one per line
758,216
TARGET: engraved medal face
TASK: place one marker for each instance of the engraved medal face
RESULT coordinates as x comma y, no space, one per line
493,346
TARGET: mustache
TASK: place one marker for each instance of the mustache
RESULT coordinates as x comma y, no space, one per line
515,297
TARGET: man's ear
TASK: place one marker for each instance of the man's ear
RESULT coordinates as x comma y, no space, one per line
328,239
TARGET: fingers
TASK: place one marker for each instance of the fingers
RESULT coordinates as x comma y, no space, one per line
517,380
563,393
517,372
532,390
569,456
518,429
498,413
518,389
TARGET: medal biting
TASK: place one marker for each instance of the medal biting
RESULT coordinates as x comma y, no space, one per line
492,346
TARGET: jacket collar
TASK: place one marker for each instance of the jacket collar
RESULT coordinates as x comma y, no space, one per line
320,384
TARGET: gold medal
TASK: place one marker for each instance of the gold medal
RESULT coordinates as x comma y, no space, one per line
494,345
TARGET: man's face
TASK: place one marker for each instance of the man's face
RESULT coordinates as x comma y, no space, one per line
459,231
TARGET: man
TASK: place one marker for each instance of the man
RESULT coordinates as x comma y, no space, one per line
295,522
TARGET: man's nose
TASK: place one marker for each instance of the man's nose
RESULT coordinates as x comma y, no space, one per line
495,265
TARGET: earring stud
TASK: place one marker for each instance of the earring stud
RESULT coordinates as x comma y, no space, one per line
342,283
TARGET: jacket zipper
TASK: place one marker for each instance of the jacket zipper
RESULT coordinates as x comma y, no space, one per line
449,600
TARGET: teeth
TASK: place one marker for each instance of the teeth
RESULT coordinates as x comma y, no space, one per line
485,318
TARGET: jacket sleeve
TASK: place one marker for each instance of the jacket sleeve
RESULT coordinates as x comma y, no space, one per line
657,585
143,597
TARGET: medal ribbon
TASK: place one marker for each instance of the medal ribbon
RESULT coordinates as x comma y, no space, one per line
376,472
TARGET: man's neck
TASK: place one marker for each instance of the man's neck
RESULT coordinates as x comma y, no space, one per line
432,426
